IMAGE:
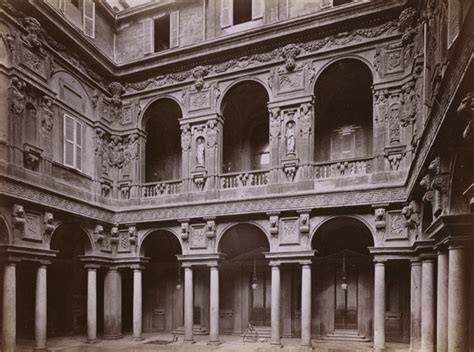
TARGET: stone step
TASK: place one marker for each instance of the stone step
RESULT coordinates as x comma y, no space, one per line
197,330
345,335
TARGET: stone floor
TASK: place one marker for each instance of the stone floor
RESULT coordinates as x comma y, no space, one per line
163,342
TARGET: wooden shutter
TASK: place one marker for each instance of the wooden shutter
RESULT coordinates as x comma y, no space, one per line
454,18
69,140
148,37
174,29
226,13
88,18
78,146
257,9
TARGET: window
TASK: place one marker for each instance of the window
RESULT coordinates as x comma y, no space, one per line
72,142
235,12
161,33
88,18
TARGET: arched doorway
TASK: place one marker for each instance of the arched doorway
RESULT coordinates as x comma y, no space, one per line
343,283
163,144
245,280
343,110
162,285
246,138
67,283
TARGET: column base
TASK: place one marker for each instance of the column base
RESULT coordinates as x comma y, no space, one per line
213,343
92,341
139,338
112,337
189,342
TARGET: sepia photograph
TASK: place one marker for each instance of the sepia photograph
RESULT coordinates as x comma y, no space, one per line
237,175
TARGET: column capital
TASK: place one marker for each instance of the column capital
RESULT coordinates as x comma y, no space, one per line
306,262
415,262
380,261
91,266
274,264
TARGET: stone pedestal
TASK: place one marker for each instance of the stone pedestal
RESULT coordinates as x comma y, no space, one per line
415,304
112,305
442,304
91,305
40,309
214,309
428,306
137,304
379,306
276,308
188,305
458,299
306,305
9,308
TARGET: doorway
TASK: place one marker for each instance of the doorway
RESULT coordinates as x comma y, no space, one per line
260,314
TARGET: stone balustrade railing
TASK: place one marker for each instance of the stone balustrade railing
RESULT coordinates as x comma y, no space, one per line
343,168
244,179
153,190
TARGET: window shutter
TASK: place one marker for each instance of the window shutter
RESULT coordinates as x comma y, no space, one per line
148,36
78,146
454,18
226,13
174,29
68,141
88,18
257,9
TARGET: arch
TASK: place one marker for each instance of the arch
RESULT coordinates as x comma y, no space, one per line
230,227
5,233
163,151
345,220
5,55
70,228
238,82
141,247
57,85
142,120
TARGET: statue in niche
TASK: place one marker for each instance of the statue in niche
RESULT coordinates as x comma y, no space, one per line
200,151
290,138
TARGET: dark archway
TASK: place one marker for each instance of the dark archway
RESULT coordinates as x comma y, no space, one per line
462,178
343,110
162,297
246,138
163,145
245,265
67,282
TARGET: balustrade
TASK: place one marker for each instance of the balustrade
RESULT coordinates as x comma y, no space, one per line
343,168
153,190
244,179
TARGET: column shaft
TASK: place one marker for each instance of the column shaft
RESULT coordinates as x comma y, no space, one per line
9,308
379,306
276,305
112,305
442,304
428,306
415,304
40,309
137,304
188,305
91,305
306,305
214,307
458,299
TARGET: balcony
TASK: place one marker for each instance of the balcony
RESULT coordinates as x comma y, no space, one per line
158,189
244,179
343,168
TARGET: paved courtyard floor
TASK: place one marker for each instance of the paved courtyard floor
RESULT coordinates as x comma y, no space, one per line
163,342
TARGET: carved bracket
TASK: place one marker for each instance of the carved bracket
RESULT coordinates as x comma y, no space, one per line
380,218
273,225
19,218
48,223
199,179
304,223
210,228
185,230
290,167
99,233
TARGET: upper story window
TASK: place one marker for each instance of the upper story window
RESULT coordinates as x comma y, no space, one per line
73,131
80,12
234,12
161,33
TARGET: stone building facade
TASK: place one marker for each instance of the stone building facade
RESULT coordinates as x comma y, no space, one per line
190,167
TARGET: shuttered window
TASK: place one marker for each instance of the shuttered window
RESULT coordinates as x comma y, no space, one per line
148,39
257,9
174,29
88,18
226,13
73,132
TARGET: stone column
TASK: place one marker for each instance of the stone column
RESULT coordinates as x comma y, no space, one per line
9,308
428,306
379,306
112,305
91,304
415,304
137,304
458,299
306,304
276,305
188,305
214,303
40,309
442,303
